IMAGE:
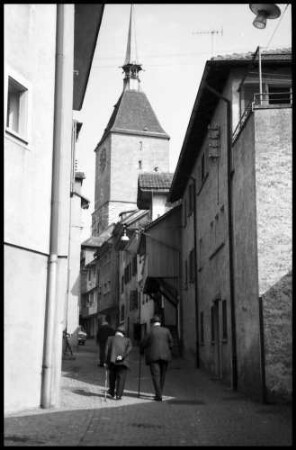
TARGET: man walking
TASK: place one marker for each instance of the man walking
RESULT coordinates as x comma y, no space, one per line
104,331
118,348
157,346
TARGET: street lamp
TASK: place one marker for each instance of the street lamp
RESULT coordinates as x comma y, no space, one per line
264,11
124,237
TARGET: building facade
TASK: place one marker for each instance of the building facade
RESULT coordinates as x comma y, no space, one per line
236,238
39,95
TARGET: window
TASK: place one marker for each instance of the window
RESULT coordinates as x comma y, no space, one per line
133,300
191,266
218,232
191,199
122,313
203,167
17,108
212,324
200,255
224,320
185,211
134,266
140,165
186,275
202,333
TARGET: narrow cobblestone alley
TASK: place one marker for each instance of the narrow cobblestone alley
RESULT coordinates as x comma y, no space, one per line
196,411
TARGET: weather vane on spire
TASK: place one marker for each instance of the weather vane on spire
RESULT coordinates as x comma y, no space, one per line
131,67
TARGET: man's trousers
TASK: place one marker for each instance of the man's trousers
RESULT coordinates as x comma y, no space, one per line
117,377
158,371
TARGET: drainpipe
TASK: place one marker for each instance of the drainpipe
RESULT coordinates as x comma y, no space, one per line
61,100
196,273
230,233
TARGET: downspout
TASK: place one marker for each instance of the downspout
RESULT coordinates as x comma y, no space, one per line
48,366
230,233
196,273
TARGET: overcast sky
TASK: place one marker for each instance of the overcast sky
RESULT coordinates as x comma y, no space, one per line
174,41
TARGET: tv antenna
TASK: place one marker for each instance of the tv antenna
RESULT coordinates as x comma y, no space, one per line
212,33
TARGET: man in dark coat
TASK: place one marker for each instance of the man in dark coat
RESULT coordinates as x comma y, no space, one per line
118,348
104,331
157,346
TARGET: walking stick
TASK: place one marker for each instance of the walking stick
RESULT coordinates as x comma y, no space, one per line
106,383
139,380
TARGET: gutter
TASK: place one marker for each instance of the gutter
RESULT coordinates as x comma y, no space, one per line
230,233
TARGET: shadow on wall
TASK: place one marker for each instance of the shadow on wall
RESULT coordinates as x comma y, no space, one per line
277,320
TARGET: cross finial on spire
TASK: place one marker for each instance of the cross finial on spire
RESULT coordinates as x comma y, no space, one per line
131,67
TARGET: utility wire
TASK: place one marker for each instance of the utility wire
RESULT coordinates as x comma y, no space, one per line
278,24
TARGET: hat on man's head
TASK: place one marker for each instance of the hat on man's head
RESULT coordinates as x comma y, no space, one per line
121,328
155,318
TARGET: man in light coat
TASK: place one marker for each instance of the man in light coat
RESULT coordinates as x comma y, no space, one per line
157,346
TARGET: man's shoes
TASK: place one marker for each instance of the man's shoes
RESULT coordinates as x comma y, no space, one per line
110,395
158,399
118,397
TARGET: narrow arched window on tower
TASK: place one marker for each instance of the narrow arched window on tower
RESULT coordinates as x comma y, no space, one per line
140,165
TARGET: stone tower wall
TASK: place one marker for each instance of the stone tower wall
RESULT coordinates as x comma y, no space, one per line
119,161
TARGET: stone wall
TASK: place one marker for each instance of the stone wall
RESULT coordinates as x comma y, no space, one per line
277,319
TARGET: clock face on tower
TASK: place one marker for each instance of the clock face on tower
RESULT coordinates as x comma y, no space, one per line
103,160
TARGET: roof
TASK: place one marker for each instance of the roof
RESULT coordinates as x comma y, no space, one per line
155,180
152,182
133,114
283,54
215,75
97,241
87,23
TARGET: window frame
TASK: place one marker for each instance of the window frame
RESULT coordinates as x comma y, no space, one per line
23,135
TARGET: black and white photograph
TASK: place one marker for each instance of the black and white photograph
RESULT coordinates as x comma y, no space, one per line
147,225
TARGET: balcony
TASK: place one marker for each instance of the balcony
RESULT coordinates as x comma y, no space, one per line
275,98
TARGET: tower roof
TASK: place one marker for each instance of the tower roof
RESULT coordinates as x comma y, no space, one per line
131,56
133,114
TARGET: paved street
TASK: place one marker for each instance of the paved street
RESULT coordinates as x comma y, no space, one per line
196,411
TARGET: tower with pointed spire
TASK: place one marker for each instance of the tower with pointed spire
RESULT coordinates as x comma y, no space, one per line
132,143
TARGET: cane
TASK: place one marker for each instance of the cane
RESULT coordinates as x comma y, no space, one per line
106,382
139,380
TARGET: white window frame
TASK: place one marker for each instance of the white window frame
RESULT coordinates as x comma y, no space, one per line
23,135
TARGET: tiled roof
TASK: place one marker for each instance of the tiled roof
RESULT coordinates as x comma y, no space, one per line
155,180
134,114
277,54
